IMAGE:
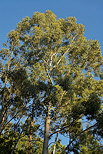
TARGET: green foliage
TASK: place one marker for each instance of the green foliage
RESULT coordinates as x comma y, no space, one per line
90,145
59,148
5,144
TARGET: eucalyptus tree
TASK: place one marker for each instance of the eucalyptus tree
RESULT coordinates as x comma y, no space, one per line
52,70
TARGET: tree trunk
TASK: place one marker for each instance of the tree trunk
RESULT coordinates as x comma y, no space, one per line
46,132
1,121
30,151
54,148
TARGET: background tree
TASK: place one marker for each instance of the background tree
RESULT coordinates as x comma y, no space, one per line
48,76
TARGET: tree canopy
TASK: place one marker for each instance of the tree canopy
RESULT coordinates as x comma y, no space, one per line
49,86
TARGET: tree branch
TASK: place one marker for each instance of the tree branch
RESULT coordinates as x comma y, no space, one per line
60,129
80,134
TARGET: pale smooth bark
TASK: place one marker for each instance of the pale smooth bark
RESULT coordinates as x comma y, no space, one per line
54,148
46,132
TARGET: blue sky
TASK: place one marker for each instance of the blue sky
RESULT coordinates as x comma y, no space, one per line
87,12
